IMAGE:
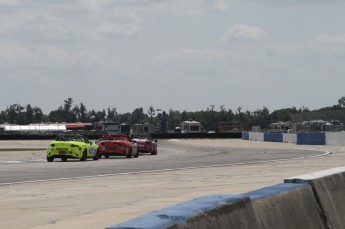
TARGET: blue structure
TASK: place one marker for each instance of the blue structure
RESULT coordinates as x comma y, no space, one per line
245,135
311,138
273,137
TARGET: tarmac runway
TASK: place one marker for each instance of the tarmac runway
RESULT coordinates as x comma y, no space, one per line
96,194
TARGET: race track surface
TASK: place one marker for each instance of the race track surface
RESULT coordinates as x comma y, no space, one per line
96,194
172,155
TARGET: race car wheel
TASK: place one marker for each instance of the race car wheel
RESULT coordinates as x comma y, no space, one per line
84,157
50,159
154,152
63,158
129,154
106,156
97,156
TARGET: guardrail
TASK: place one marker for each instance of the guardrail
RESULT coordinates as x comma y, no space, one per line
310,201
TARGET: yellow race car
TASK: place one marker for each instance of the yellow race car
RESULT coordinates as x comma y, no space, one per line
69,145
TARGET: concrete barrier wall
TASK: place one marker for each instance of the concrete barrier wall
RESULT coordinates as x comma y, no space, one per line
285,206
303,138
217,211
278,206
273,137
335,138
289,138
309,201
245,135
256,136
311,138
329,190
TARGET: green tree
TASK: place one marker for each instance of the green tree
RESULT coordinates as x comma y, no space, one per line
222,115
341,102
124,118
184,116
69,115
97,116
29,114
64,113
57,115
13,114
281,115
151,113
68,104
138,116
174,119
83,113
261,117
112,113
37,114
2,117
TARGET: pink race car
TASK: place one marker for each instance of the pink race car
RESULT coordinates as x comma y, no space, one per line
146,144
117,145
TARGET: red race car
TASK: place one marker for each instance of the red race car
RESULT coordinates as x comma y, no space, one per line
117,145
146,144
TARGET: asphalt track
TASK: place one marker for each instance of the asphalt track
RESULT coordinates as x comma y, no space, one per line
95,194
172,155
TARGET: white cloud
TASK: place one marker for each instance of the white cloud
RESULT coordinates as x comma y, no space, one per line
190,7
322,49
326,39
242,32
132,43
68,23
195,55
123,25
200,61
11,54
15,58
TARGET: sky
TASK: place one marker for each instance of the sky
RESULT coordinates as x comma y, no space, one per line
172,54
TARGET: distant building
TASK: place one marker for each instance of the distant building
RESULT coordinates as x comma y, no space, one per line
147,128
236,127
190,127
279,127
108,127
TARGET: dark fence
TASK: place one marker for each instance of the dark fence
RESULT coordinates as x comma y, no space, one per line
96,135
196,135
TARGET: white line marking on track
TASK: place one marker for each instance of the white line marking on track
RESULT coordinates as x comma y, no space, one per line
21,162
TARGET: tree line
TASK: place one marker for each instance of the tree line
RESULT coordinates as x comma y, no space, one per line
209,118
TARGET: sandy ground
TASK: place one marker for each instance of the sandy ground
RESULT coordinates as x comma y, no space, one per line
41,145
104,201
